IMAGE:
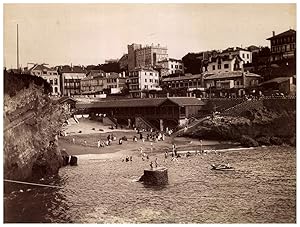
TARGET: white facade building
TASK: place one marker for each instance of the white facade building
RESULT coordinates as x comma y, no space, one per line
173,65
142,80
48,74
244,54
222,64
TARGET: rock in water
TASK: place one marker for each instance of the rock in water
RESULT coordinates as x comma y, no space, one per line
73,161
155,176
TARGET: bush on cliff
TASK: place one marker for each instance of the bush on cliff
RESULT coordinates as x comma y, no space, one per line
248,141
276,140
263,140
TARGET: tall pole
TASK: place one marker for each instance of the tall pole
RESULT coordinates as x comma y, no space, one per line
17,46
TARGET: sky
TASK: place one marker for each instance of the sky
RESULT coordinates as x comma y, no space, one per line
84,34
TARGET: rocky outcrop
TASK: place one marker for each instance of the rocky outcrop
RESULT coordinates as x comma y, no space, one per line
31,123
155,176
264,126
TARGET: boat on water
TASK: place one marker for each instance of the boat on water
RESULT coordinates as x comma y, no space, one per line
221,167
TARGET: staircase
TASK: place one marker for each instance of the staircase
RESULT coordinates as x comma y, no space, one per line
75,119
191,126
109,121
236,110
141,122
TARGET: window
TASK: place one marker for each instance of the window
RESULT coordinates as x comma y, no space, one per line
151,80
219,67
146,86
213,67
146,80
51,82
171,66
56,90
243,55
176,66
226,66
180,66
55,81
248,56
150,74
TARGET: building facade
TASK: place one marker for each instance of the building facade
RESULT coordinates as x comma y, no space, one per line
283,45
71,80
147,56
225,63
99,82
93,83
143,80
188,85
230,84
48,74
115,82
244,54
188,81
173,66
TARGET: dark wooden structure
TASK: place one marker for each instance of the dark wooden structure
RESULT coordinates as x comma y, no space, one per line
176,109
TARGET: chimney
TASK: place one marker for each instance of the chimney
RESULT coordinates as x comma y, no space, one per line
273,32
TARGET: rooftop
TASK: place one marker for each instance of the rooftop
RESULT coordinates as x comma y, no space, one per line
225,75
277,80
41,67
185,77
230,49
283,34
149,102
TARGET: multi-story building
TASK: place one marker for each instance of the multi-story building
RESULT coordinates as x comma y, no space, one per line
94,82
116,82
186,81
225,63
244,54
147,56
142,80
188,84
173,65
231,84
48,74
99,82
70,80
283,45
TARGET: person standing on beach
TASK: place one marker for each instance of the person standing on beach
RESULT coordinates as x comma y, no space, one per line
141,151
99,143
84,142
201,151
166,155
73,140
173,148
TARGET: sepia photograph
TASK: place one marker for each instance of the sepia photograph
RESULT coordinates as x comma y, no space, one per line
149,113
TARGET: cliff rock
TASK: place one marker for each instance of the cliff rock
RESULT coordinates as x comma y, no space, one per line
263,125
31,121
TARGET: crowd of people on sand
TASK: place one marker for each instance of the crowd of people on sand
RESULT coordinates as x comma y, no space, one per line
151,136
